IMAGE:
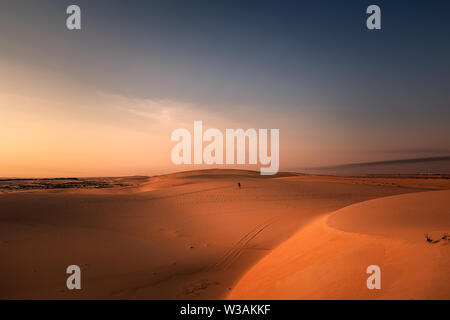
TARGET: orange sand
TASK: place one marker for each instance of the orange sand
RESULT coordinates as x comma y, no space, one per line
193,235
328,258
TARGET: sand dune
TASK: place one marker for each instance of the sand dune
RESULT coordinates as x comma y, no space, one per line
420,182
189,235
328,258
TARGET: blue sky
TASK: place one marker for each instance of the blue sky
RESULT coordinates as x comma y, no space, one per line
310,68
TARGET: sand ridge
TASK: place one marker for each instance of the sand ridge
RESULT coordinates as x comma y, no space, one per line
189,235
328,258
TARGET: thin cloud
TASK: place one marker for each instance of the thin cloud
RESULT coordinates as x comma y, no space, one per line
161,111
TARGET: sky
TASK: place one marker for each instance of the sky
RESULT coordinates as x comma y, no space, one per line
103,100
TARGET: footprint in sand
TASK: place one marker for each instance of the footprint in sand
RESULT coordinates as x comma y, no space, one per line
195,288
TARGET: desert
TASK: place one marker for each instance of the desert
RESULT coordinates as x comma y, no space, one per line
197,235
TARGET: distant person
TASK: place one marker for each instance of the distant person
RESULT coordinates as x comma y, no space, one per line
239,185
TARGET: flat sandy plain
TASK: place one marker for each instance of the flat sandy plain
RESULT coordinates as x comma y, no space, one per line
196,235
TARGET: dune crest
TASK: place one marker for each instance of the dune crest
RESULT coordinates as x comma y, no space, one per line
328,258
184,235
